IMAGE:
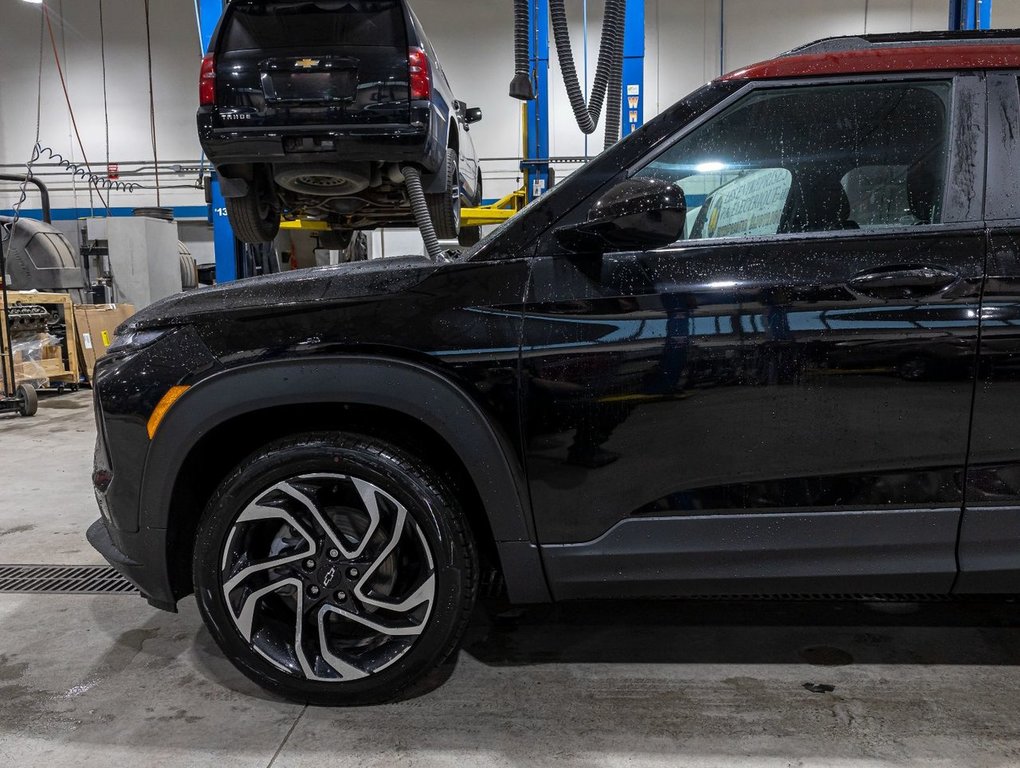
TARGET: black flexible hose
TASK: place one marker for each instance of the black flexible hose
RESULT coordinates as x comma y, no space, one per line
607,72
420,209
521,86
614,103
44,192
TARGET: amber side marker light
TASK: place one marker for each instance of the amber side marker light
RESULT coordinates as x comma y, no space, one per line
165,404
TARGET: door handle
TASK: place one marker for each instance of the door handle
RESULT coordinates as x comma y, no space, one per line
903,282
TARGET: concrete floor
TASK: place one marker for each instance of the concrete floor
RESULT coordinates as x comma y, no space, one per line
108,681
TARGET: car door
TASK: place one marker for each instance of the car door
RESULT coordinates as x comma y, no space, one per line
990,533
779,402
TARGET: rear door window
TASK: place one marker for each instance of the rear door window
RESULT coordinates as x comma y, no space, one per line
315,24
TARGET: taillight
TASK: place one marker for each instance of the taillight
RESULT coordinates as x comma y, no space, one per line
420,74
207,82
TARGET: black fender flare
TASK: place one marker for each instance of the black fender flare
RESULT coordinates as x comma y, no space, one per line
398,385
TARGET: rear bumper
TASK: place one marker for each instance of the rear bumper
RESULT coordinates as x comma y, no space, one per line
142,547
321,144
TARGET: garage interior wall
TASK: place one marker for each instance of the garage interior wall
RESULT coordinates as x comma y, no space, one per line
473,40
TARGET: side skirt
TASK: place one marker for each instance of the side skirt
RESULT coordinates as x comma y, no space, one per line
898,551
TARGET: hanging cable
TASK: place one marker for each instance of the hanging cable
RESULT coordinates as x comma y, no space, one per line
23,191
67,99
106,102
152,102
10,386
82,171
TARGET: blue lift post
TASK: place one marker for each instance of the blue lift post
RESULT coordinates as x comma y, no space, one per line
634,68
537,174
224,242
970,14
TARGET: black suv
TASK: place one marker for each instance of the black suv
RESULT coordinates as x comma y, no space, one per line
311,108
680,372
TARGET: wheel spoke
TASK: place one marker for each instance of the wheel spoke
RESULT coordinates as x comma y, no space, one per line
325,526
346,670
256,513
246,616
367,492
412,630
425,592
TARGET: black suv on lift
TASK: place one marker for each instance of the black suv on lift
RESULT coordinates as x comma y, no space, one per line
310,108
680,372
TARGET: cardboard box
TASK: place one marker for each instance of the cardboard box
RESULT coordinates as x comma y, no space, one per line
96,327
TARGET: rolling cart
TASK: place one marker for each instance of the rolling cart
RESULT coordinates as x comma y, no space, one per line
14,398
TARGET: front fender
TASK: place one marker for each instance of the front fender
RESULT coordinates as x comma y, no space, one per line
408,388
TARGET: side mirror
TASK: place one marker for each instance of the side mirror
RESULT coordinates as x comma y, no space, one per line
636,214
473,115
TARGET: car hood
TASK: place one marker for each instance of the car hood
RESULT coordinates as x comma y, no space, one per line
285,291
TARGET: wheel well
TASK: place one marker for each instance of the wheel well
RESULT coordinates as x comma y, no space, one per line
454,140
228,444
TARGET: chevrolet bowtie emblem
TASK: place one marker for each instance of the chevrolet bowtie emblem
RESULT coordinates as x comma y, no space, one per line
329,577
306,63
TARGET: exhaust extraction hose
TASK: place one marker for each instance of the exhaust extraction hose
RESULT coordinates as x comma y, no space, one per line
521,86
614,103
608,72
420,209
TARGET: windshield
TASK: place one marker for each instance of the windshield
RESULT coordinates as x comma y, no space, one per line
534,218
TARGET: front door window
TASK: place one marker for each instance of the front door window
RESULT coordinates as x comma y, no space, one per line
794,160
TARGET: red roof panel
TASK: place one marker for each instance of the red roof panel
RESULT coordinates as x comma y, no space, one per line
915,58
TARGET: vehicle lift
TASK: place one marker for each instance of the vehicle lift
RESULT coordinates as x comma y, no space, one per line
537,163
970,14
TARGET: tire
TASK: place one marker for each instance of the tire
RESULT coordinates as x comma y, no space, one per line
444,207
28,400
422,561
253,220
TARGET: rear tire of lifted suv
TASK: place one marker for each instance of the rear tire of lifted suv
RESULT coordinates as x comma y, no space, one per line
470,236
335,569
444,207
253,218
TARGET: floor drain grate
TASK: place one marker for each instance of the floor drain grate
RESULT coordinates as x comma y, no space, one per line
63,580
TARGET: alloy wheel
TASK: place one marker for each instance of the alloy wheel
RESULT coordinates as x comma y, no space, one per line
327,577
